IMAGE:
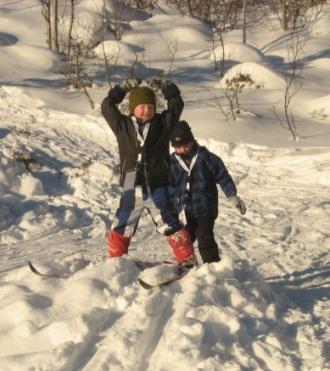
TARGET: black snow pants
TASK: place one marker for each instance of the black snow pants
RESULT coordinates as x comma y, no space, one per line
202,230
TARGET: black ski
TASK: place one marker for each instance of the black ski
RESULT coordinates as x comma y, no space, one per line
149,286
38,273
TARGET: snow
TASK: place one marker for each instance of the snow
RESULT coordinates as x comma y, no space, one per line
238,52
115,50
265,306
261,76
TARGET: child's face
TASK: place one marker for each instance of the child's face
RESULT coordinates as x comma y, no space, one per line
144,112
184,149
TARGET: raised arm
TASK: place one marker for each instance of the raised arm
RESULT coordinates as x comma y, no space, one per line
174,104
109,107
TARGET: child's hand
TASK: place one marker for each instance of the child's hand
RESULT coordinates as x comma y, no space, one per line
238,203
132,83
116,95
169,89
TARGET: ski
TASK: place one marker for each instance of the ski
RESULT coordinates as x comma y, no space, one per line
149,286
38,273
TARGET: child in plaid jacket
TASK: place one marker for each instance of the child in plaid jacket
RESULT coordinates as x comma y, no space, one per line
194,175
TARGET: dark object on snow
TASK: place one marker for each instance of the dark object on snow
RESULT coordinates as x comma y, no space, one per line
149,285
44,275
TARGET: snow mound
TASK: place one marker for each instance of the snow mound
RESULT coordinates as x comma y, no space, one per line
13,97
238,52
173,29
165,20
115,50
88,28
319,108
24,211
261,75
10,172
186,35
33,58
322,63
219,316
96,6
322,26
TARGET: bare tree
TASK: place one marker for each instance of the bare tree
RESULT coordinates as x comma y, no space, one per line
285,15
72,18
234,87
224,15
296,58
81,80
298,13
46,12
244,9
172,50
49,11
218,104
107,63
55,23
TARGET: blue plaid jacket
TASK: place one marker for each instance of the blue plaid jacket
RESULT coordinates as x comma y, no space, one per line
202,199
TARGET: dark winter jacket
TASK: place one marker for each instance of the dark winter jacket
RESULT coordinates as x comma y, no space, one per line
155,154
202,199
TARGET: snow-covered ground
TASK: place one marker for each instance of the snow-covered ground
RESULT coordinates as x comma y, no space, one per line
265,306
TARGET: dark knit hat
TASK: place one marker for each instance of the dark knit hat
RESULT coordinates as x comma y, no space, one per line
181,134
140,95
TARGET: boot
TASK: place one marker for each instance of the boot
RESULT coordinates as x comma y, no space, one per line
181,245
117,244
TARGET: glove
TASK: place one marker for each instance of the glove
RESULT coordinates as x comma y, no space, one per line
238,203
116,95
170,90
132,83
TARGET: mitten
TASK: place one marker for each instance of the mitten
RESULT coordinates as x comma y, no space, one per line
132,83
169,90
238,203
116,95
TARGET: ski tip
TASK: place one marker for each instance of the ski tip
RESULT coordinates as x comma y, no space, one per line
33,269
145,285
44,275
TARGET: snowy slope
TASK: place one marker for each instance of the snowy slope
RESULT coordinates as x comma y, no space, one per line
265,306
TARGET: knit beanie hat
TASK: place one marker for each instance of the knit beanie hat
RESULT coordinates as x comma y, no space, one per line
181,134
140,95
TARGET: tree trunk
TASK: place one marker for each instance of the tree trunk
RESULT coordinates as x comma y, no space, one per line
285,15
48,18
57,47
244,21
72,15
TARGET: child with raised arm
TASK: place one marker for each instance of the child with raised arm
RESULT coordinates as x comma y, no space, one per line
143,142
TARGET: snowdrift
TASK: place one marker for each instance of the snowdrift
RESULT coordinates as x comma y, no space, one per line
220,316
319,108
261,75
238,52
116,52
31,58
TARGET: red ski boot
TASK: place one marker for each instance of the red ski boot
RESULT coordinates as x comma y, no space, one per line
182,246
117,244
